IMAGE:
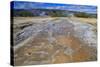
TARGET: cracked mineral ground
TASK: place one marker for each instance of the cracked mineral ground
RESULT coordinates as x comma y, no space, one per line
51,40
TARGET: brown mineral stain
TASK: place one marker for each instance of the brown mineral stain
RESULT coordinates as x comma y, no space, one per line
81,55
74,43
69,41
61,58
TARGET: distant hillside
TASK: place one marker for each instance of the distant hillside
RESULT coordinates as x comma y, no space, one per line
47,12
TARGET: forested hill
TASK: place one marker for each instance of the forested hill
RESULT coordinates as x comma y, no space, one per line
49,12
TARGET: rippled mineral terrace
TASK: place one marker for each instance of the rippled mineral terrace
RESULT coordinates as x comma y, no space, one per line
53,40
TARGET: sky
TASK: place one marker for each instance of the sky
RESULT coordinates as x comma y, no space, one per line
39,5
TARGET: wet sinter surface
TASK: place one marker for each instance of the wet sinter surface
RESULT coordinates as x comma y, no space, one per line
60,40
